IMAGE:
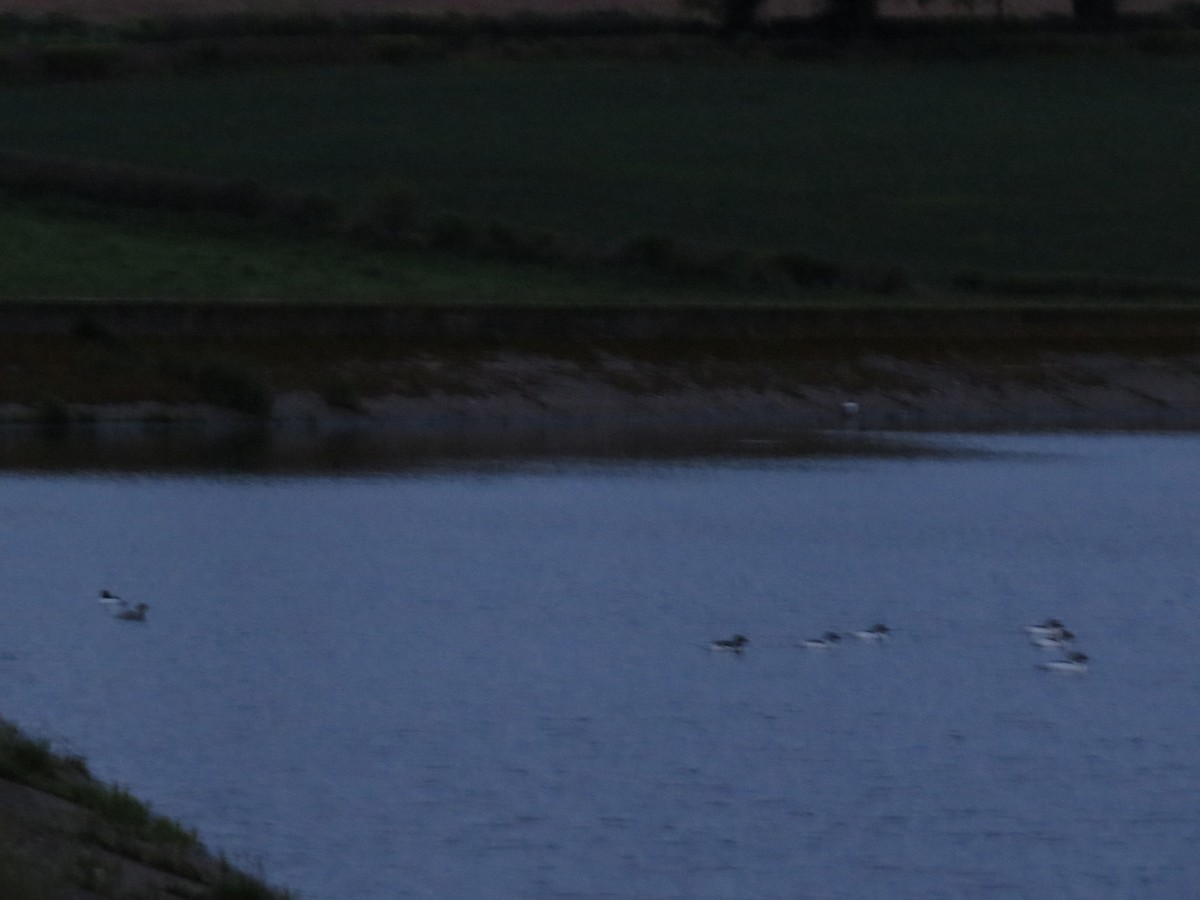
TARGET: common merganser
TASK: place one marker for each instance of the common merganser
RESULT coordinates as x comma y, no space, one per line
874,633
122,609
826,642
1073,663
135,613
1054,641
1049,628
735,643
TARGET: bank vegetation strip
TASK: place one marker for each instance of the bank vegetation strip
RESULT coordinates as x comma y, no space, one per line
66,836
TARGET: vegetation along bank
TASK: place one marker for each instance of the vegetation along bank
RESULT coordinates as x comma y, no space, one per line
66,836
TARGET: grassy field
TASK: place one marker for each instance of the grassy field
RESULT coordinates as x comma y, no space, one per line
1077,166
1067,165
49,253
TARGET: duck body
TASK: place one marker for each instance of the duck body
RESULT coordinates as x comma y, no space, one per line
827,641
1072,664
123,609
734,644
878,632
1053,640
1048,629
131,613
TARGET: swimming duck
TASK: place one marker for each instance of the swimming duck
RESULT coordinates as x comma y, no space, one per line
122,609
1053,641
827,641
135,613
874,633
735,643
1049,628
1073,663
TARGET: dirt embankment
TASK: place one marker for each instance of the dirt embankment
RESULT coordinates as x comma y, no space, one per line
896,369
66,836
355,388
872,390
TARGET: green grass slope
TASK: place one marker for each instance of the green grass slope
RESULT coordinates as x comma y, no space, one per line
1049,165
66,836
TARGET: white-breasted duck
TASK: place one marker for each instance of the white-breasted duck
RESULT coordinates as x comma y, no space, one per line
1073,663
122,609
1049,628
734,644
877,632
827,641
1054,641
134,613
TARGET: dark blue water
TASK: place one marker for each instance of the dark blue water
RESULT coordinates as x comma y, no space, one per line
481,683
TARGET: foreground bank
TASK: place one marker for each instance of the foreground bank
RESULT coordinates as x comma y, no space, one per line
66,836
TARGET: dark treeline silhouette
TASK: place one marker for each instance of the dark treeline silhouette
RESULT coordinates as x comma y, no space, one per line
726,19
856,17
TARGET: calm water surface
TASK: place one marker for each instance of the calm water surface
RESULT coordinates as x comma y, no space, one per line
495,683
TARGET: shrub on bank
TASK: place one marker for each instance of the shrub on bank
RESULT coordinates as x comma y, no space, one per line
25,759
222,382
392,212
394,218
81,62
27,176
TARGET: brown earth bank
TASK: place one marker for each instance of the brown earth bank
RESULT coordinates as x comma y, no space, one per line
77,382
65,365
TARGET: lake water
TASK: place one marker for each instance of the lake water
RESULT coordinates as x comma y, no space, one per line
491,679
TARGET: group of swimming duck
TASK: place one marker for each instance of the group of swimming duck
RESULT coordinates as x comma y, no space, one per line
827,641
1053,635
1048,635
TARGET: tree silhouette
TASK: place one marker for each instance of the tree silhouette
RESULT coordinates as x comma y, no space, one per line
1094,10
738,15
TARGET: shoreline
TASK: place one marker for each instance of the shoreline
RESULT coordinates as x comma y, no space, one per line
325,371
887,392
522,391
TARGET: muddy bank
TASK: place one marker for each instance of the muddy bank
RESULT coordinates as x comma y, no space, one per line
869,390
65,366
504,389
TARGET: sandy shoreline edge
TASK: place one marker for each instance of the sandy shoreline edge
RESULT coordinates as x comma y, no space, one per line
869,390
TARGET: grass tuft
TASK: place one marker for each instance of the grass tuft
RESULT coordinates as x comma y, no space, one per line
25,759
236,885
